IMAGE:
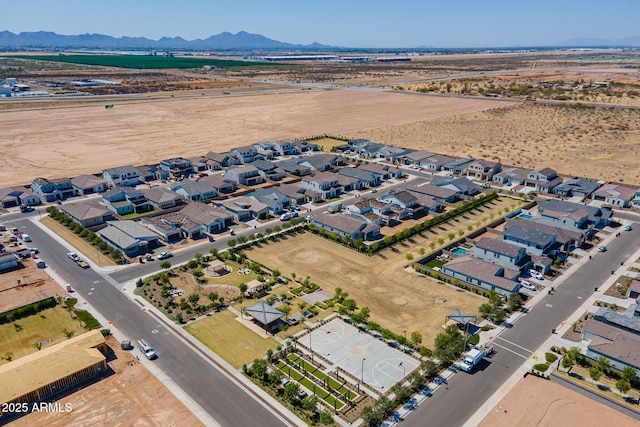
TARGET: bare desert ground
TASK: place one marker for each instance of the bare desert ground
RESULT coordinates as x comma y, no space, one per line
535,402
70,141
130,397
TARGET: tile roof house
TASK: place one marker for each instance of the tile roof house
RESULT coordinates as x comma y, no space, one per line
576,187
162,198
89,184
244,175
483,169
291,166
416,157
347,225
273,198
212,219
543,179
440,194
369,179
51,190
621,351
387,172
457,166
483,274
130,237
178,167
125,176
324,183
221,184
511,176
11,197
200,191
597,217
244,208
88,213
224,159
268,170
461,185
616,195
501,252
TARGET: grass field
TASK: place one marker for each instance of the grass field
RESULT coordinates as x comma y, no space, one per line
326,144
77,242
22,339
229,339
147,61
321,392
399,300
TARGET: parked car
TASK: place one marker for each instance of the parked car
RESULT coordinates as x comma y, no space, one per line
34,250
527,284
26,237
627,227
73,256
149,257
602,249
285,217
41,264
26,208
164,255
536,274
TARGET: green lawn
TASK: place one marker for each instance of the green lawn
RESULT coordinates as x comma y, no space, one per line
49,323
229,339
232,278
308,384
435,263
313,370
138,215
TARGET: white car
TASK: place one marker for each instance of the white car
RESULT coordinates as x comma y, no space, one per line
73,256
527,284
536,274
164,255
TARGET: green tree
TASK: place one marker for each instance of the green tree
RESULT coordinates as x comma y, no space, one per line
193,299
309,403
416,337
449,345
349,304
595,373
213,296
291,391
629,373
567,362
275,377
432,245
430,369
259,369
515,301
603,364
623,385
243,287
179,318
275,273
326,418
286,309
441,241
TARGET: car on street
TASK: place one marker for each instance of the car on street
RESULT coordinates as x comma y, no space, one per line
285,217
627,227
26,209
26,237
41,264
536,274
527,284
164,255
374,191
73,256
602,249
34,250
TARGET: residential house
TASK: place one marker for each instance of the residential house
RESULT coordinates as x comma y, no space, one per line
461,185
349,183
483,169
285,147
244,208
387,172
305,146
440,194
129,237
633,291
407,203
162,198
148,173
636,199
457,166
265,150
391,153
499,251
537,242
88,213
213,220
616,195
244,175
221,184
629,320
247,153
201,164
543,180
178,167
8,262
511,177
483,274
576,187
597,217
292,167
347,225
371,210
368,178
436,162
11,197
126,200
370,150
321,162
567,239
269,170
324,183
199,191
170,226
122,176
51,190
294,192
89,184
620,348
416,157
273,198
223,159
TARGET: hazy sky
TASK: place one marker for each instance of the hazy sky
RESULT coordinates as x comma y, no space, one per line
349,23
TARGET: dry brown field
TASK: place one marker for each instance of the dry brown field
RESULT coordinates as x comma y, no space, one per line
535,402
130,397
70,141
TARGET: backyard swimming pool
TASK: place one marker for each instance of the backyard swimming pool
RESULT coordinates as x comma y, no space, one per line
526,216
459,251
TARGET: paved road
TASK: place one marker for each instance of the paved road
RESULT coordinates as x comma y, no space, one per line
228,403
465,393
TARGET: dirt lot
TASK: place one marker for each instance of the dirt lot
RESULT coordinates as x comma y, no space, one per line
398,300
130,397
35,285
538,402
70,141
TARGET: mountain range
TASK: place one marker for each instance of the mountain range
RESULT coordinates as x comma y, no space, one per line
226,40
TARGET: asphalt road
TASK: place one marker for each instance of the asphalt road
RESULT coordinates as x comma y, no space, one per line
228,403
459,400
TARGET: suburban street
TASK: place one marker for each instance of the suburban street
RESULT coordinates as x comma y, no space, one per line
227,402
464,393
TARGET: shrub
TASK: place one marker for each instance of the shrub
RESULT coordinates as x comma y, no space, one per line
550,357
541,367
105,332
474,339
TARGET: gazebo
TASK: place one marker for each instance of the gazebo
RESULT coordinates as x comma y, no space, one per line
464,319
263,314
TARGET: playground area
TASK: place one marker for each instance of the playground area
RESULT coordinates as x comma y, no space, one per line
359,354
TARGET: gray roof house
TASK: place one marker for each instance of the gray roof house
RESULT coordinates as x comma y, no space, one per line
306,146
537,242
178,167
457,166
126,200
598,217
50,190
391,153
221,184
370,179
461,185
511,176
321,162
294,192
244,175
224,159
122,176
11,197
483,274
628,321
247,153
436,162
483,169
292,167
567,239
440,194
543,179
616,195
89,184
324,183
148,173
498,251
162,198
88,213
347,225
416,157
130,237
269,170
350,183
204,164
212,219
200,191
576,187
244,208
273,198
387,172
